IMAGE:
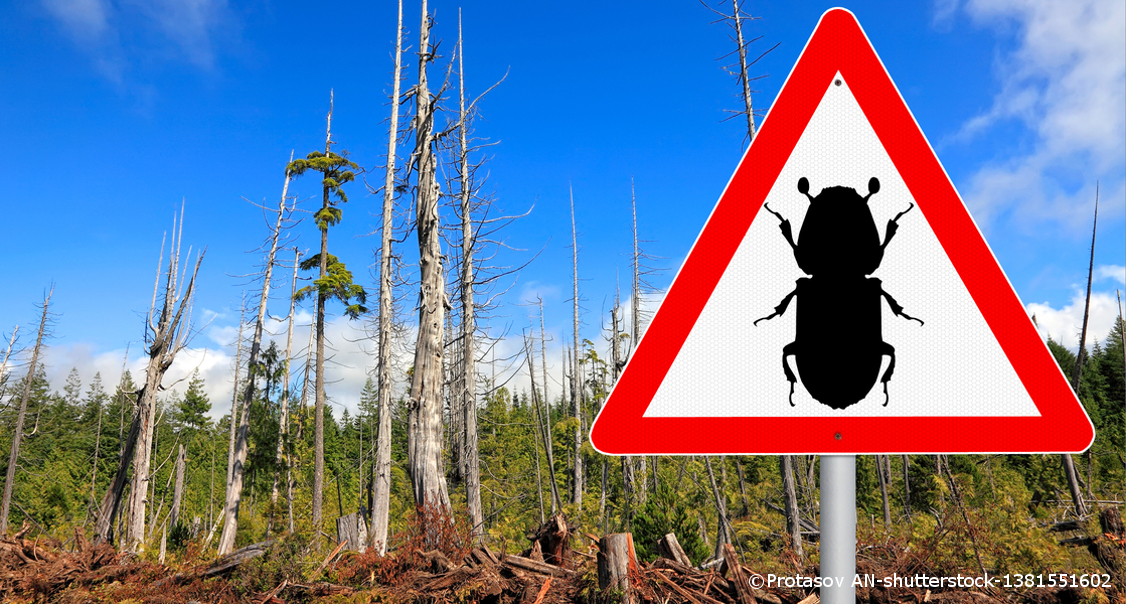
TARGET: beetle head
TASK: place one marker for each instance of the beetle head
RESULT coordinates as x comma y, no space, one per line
838,237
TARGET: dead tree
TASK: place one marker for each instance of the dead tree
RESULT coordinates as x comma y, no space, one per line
14,455
556,499
4,363
425,407
283,427
167,333
1077,374
576,387
381,483
178,488
234,396
242,444
468,398
723,526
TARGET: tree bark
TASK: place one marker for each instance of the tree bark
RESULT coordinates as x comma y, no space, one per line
468,321
790,497
723,535
242,445
178,488
14,455
1077,374
381,483
425,411
166,337
234,398
883,476
616,558
576,387
283,427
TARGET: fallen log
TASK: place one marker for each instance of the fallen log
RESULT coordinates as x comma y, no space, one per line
522,563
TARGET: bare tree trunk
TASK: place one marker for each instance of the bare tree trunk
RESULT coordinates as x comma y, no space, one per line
234,397
97,445
425,430
722,533
545,421
381,484
162,349
178,489
468,322
166,337
556,498
14,456
539,432
242,446
618,363
283,427
1076,375
7,355
576,387
790,498
882,475
907,485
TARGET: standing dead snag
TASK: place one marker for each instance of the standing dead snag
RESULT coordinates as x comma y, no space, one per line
381,483
468,396
283,427
13,457
424,431
1068,462
576,386
242,443
166,334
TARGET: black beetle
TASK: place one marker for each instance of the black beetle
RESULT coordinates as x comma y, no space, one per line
839,345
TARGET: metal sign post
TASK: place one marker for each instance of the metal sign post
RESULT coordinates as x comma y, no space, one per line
838,529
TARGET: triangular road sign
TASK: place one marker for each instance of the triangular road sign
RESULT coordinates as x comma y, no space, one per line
922,347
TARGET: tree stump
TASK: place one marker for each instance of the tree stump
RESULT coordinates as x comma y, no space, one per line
616,560
354,530
670,548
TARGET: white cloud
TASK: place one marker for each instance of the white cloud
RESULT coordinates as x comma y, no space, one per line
1111,272
117,35
1064,324
1066,82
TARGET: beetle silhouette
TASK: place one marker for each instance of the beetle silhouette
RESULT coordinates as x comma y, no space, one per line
839,344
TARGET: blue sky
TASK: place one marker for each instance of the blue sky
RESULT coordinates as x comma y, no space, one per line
130,107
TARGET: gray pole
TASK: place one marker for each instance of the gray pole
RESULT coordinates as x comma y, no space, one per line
838,528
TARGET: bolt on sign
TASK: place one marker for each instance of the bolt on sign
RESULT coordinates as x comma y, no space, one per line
840,298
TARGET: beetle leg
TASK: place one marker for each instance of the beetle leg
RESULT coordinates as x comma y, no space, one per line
781,308
893,226
787,230
787,350
889,350
897,309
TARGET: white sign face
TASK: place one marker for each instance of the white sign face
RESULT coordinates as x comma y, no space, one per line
951,365
880,340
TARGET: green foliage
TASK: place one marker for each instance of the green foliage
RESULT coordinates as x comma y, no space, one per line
191,415
336,284
665,512
337,171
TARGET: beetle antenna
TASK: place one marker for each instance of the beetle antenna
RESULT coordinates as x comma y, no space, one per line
900,215
776,214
